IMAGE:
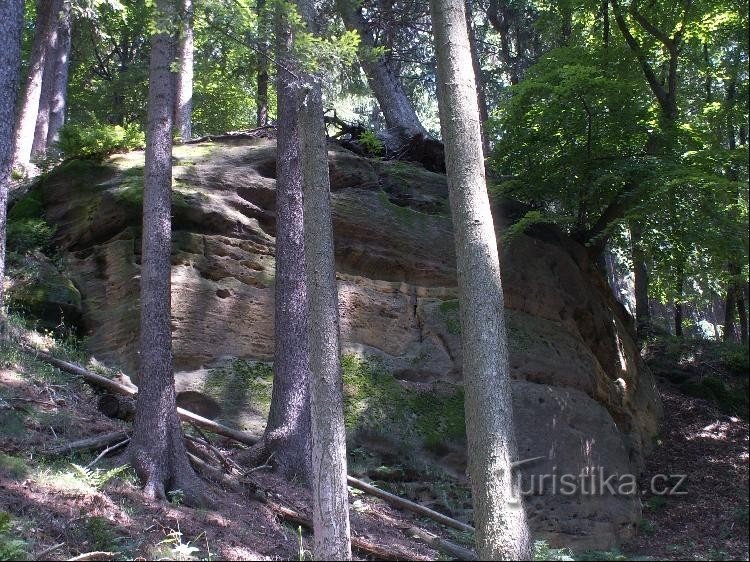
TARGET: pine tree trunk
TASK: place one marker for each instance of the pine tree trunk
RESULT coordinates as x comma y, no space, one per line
261,95
288,428
476,65
394,103
678,303
26,122
39,145
157,451
742,313
730,303
11,23
642,311
183,105
501,528
60,85
329,488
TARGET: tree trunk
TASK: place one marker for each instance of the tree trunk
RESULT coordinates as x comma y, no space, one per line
39,144
678,308
288,428
501,527
62,65
742,313
642,311
261,95
11,23
26,122
394,103
730,302
476,65
183,103
329,489
157,451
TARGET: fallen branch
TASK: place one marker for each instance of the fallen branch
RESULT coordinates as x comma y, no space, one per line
439,543
113,386
89,443
108,450
290,515
96,555
408,505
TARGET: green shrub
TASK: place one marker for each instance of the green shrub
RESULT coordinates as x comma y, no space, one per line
11,548
371,143
97,140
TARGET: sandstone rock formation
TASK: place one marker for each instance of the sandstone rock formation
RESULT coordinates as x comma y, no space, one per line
583,397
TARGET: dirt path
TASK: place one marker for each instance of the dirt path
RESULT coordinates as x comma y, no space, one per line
710,521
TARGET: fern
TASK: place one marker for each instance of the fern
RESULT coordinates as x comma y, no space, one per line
542,551
98,478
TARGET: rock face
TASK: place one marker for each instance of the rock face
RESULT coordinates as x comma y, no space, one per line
583,398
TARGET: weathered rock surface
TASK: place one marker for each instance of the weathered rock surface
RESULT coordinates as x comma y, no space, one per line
583,397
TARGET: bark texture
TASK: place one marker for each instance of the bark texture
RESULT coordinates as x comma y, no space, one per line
27,113
640,273
329,488
288,428
501,528
157,451
11,23
183,103
261,95
58,103
39,145
394,103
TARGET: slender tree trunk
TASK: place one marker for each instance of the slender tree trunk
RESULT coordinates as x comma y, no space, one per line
261,95
605,22
157,451
642,311
730,303
501,527
183,104
26,123
329,488
742,313
62,65
288,428
11,24
39,145
394,103
476,65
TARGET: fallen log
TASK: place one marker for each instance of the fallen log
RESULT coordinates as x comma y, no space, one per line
408,505
247,439
439,543
95,442
97,555
290,515
113,386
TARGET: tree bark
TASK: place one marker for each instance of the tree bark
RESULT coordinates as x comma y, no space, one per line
642,311
261,95
26,122
39,144
157,451
329,489
183,103
678,305
288,428
730,303
11,24
394,103
59,99
742,313
477,66
501,527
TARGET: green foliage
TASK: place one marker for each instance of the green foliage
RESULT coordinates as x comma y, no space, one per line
11,548
12,467
97,140
27,228
729,399
449,310
371,143
97,478
542,551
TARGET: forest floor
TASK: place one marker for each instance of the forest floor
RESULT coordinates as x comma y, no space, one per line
51,510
